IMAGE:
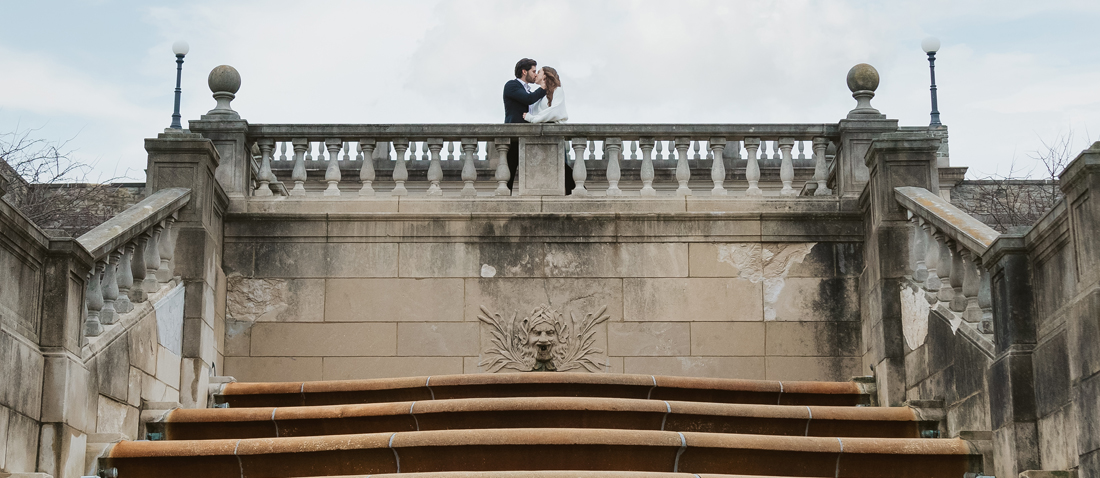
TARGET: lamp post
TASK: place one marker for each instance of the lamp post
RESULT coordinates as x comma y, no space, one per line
180,49
931,45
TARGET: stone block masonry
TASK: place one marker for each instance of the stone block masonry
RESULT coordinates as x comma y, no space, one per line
316,297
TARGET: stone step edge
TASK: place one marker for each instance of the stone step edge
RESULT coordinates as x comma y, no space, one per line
277,418
538,384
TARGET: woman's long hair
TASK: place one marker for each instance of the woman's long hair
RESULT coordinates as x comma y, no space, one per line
553,82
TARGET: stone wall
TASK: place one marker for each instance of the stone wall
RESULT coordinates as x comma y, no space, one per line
750,293
62,393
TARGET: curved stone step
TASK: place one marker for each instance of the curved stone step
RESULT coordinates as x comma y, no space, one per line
541,384
545,449
542,412
548,474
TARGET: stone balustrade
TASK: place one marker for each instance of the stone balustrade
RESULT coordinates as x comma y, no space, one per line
946,257
133,257
471,160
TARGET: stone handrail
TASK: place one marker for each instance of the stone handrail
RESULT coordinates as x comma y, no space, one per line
120,276
667,158
946,258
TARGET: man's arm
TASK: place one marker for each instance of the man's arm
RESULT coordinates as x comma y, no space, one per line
514,91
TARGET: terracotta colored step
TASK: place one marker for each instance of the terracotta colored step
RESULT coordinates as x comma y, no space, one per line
542,412
544,384
547,474
546,449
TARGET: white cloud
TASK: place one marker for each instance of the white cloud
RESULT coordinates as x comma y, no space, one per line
696,61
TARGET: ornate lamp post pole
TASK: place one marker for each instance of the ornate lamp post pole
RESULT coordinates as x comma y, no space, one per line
180,49
930,46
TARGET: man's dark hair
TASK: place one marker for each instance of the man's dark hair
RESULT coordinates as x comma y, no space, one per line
524,65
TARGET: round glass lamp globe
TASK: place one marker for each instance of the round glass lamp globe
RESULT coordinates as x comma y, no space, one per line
180,47
930,44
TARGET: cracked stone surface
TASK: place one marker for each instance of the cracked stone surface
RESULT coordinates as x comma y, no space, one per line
914,316
252,300
767,263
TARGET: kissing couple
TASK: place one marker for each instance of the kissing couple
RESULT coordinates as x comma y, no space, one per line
535,96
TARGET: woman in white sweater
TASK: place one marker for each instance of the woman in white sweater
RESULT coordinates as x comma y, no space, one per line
551,108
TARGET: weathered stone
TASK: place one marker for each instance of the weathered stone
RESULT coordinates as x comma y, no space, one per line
392,300
812,339
716,367
649,339
289,339
142,339
113,370
348,368
694,300
115,417
22,443
727,339
436,339
168,367
812,368
1058,443
23,365
274,369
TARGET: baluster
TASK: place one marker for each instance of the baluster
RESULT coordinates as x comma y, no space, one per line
301,145
672,150
320,151
917,250
786,169
309,150
137,267
490,147
93,301
366,173
400,173
591,151
125,280
946,292
647,167
696,151
332,172
710,150
347,150
450,150
358,151
580,173
718,166
932,262
774,146
264,177
613,146
820,169
683,172
971,286
469,172
435,170
958,270
503,174
634,150
107,314
166,248
985,299
659,155
801,152
752,167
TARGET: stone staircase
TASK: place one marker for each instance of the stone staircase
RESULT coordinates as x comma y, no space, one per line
548,425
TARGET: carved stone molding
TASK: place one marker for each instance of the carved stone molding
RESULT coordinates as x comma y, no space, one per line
543,341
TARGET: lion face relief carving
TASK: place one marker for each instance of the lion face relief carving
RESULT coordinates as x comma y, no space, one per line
542,342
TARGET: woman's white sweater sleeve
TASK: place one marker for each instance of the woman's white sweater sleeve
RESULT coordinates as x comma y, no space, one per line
554,113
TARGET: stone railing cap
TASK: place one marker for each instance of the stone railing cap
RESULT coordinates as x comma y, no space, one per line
954,222
124,227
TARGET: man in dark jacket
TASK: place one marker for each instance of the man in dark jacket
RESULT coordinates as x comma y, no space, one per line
519,95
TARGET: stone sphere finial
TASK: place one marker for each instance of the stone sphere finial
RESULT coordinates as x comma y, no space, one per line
862,77
863,81
224,78
224,82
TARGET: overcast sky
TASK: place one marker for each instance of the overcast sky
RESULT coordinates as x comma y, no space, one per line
1011,73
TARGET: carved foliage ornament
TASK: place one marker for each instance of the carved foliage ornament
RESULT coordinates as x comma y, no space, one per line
542,342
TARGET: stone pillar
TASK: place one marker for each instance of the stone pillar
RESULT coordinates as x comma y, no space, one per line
541,166
1080,183
190,161
67,386
892,160
862,125
1011,386
229,133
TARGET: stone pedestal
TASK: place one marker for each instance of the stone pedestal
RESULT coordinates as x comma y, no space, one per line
541,167
892,160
